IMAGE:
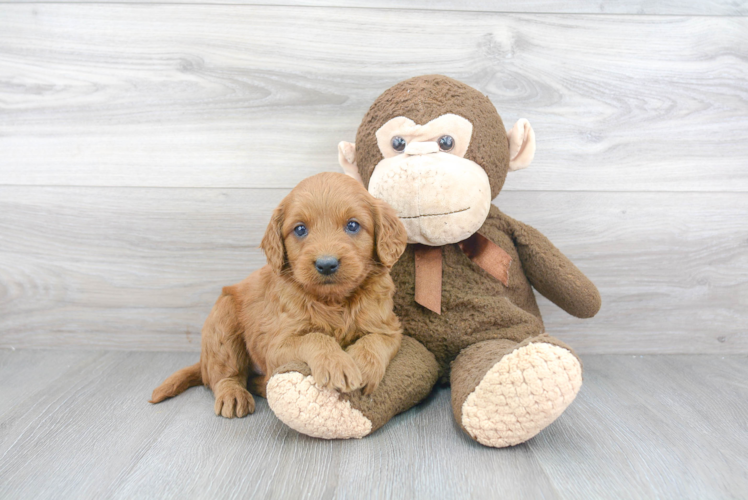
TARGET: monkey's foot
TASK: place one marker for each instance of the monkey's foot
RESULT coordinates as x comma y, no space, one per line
299,403
521,395
303,406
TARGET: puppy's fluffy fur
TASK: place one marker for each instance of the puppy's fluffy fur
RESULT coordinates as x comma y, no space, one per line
341,325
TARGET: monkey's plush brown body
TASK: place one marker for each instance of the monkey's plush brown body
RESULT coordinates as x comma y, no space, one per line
437,151
477,307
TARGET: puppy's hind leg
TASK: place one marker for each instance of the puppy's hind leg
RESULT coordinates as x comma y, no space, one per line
224,359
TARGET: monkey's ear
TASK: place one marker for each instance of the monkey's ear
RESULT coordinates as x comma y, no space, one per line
347,160
521,145
272,242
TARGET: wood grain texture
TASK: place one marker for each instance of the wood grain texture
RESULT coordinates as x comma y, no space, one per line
638,7
23,376
141,268
259,96
93,423
675,427
642,427
138,268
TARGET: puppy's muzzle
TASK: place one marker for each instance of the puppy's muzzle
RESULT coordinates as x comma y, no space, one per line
327,265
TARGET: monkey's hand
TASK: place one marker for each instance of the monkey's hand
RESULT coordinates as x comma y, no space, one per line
551,272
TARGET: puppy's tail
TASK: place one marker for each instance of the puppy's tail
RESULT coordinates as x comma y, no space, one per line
178,383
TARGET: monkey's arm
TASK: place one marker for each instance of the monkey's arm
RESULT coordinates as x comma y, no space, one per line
551,272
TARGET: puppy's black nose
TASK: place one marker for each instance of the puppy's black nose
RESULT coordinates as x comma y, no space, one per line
327,265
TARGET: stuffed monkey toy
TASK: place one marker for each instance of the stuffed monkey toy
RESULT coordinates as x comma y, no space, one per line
437,151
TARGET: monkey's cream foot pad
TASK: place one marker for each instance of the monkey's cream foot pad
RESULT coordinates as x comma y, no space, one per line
299,403
521,395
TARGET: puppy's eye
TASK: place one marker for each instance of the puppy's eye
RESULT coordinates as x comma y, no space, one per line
398,143
300,230
446,143
352,227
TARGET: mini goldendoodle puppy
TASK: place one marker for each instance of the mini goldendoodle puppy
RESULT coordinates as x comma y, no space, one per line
324,298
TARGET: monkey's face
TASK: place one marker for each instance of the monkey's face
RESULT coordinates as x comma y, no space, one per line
440,196
437,151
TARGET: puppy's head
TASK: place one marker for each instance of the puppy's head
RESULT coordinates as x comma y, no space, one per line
329,234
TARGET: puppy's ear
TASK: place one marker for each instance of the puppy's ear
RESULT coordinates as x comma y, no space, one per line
272,242
389,234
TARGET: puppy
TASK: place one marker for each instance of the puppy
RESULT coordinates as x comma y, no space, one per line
324,298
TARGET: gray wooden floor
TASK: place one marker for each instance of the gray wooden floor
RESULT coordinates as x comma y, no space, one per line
76,424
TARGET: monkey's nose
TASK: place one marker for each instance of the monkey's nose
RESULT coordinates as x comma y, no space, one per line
327,265
421,148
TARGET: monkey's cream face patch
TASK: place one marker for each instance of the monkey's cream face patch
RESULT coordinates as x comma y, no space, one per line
439,196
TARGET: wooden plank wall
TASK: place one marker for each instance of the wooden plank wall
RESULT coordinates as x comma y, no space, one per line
143,146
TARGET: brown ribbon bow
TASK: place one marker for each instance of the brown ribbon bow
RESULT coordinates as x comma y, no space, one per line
485,253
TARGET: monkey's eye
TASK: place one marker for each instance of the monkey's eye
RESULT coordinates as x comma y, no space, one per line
398,143
300,230
352,227
446,143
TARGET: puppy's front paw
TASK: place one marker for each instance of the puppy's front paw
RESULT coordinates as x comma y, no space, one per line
232,400
336,371
372,368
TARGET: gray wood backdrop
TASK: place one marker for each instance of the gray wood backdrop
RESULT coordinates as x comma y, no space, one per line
144,144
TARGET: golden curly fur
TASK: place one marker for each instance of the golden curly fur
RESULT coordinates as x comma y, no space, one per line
341,324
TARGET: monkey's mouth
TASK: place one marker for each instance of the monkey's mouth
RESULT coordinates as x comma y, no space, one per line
437,215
